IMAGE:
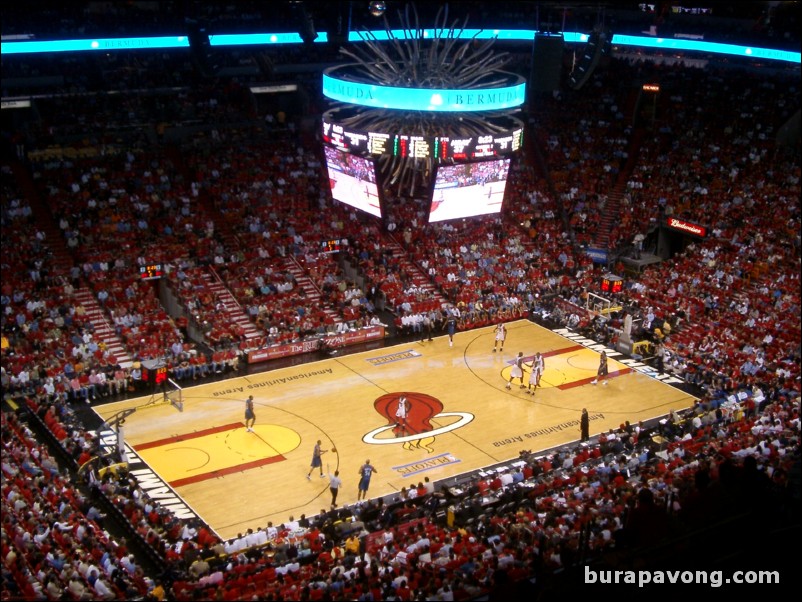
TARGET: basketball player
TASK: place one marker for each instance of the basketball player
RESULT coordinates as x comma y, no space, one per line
401,414
365,472
538,365
517,371
250,417
501,334
602,372
451,327
316,460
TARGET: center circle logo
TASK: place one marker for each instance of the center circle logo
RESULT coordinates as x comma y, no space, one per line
409,416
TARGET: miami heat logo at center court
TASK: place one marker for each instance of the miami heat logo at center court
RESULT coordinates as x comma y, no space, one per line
409,418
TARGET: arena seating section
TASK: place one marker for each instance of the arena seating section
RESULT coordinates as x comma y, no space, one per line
235,210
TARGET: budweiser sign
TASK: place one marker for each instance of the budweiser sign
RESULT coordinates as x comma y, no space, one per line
688,227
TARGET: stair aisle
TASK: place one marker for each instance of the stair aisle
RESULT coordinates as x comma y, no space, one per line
633,156
103,330
311,291
224,226
203,204
233,310
420,279
62,260
608,220
612,210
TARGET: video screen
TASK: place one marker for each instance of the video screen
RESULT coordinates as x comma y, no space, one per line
469,189
353,181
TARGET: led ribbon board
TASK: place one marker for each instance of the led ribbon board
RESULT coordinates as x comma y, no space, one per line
458,147
9,46
492,98
99,44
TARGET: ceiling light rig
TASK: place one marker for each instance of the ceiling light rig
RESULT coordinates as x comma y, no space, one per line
377,8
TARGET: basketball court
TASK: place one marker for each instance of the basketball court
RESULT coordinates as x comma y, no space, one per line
460,418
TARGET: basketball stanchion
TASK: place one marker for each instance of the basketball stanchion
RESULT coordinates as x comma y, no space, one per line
175,394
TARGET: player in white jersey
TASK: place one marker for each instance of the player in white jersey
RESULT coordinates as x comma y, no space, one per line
538,366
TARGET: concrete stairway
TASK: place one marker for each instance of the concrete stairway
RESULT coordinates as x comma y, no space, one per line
103,330
418,277
233,310
311,291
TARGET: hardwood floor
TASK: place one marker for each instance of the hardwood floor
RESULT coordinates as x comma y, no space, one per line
460,418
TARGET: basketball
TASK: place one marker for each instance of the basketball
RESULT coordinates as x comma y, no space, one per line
334,450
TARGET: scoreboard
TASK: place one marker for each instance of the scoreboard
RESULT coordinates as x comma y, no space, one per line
151,271
611,283
156,374
334,245
417,147
423,147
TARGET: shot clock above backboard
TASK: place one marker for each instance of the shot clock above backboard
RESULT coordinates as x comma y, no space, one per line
151,271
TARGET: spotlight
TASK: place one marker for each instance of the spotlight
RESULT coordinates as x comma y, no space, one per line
377,8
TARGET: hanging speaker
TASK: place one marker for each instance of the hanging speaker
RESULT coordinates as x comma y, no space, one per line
598,44
338,36
547,62
306,24
200,48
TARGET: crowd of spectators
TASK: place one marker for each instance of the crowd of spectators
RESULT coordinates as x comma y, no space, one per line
723,314
629,489
160,213
54,543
